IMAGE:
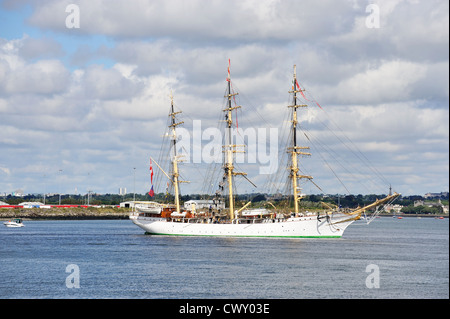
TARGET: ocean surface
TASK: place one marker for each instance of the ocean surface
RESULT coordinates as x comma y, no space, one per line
390,258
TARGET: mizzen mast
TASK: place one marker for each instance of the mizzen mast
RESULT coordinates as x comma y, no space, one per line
295,150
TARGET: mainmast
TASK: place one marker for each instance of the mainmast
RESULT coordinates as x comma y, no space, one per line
295,150
175,159
229,147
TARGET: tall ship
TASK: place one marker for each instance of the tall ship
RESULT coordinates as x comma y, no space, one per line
171,219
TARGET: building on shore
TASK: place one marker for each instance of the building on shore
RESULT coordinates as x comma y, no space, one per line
430,203
31,204
441,195
396,209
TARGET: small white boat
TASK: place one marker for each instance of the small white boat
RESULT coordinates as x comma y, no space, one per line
16,222
148,207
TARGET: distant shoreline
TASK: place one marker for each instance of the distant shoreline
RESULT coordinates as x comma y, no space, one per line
415,215
80,213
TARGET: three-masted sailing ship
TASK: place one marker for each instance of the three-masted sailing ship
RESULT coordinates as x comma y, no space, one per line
170,220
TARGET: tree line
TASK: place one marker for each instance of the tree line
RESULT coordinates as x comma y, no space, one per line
257,199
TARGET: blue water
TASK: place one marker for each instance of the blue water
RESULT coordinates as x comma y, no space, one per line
116,260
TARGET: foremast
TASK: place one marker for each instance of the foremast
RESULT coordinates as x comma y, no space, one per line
296,150
176,158
229,147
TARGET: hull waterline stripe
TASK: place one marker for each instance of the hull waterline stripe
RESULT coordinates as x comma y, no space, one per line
255,236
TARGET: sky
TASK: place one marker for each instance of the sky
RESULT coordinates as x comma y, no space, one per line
85,88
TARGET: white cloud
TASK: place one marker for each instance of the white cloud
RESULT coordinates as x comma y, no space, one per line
196,19
41,77
43,48
387,88
108,84
413,30
151,103
5,170
19,77
391,81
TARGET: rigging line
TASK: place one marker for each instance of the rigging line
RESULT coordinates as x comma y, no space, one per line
327,149
336,158
162,151
250,106
212,167
354,167
213,173
353,150
235,104
329,166
371,166
276,179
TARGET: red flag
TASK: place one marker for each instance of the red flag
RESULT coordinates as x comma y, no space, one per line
301,91
151,192
228,77
151,171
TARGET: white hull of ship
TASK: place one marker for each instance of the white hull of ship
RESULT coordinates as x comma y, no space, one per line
298,227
